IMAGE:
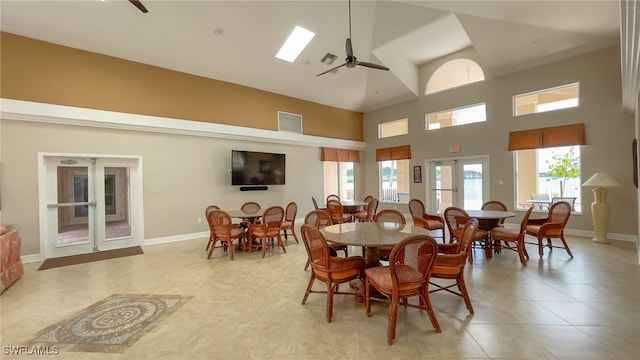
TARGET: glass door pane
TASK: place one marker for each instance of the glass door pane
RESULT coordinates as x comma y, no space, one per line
443,185
73,206
116,203
472,188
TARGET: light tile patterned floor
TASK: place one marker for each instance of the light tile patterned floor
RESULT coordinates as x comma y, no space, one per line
249,308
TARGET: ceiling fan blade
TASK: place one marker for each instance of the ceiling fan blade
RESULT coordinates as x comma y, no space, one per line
138,4
348,48
330,70
373,66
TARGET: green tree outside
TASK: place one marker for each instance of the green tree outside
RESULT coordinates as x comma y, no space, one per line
563,167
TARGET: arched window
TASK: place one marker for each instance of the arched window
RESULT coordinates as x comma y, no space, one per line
454,73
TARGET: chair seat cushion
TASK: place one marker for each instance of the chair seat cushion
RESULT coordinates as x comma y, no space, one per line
504,234
381,275
361,215
236,232
286,224
269,233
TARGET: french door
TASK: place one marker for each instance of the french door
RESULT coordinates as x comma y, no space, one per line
457,182
89,204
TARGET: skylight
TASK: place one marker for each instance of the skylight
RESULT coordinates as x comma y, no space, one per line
296,42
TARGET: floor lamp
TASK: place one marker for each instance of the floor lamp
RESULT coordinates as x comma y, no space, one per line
600,207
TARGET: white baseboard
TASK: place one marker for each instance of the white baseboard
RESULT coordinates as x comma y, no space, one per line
175,238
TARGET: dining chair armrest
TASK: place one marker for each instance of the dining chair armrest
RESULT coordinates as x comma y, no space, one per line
448,248
419,222
549,227
433,217
539,221
451,259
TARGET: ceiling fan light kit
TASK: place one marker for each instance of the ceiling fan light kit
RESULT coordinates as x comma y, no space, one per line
351,61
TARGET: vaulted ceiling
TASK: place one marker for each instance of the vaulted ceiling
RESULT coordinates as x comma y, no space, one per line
235,41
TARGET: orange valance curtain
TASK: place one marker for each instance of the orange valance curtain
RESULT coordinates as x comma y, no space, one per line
394,153
340,155
565,135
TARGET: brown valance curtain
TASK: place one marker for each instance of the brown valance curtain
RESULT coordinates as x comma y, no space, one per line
394,153
340,155
565,135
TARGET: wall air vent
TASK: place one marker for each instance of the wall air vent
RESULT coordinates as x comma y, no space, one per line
289,122
329,59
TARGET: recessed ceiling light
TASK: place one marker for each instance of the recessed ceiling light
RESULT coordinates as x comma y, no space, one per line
295,43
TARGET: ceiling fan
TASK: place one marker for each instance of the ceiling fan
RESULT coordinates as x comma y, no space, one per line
138,4
351,61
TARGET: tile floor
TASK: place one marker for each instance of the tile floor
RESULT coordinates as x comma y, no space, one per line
249,308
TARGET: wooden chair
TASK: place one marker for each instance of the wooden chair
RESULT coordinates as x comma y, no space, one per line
551,227
315,204
570,200
362,214
456,218
289,221
221,229
249,207
422,219
392,216
207,211
450,263
319,219
333,197
331,270
495,205
513,236
336,210
267,230
408,274
369,214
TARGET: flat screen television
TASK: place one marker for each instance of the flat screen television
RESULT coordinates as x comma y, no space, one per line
257,168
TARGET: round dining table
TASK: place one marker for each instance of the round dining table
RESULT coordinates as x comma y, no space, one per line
248,216
370,236
487,220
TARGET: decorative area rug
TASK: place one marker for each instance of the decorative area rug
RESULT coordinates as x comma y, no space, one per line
111,325
85,258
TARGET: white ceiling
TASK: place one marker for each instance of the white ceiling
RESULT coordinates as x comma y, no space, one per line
182,35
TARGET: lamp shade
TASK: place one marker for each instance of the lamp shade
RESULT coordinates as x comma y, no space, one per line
601,179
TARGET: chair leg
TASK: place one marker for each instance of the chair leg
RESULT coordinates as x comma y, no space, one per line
213,246
427,304
393,316
566,246
540,248
521,252
308,291
263,241
329,302
306,266
463,291
230,246
293,232
367,297
281,243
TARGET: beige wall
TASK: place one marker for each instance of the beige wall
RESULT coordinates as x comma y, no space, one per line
182,174
609,131
43,72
